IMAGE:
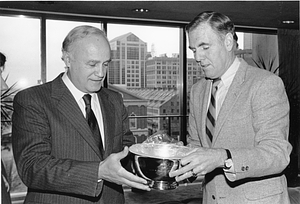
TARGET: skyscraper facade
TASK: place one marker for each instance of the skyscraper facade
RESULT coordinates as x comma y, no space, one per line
127,67
163,72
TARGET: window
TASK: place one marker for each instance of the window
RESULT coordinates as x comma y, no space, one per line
132,52
20,43
132,122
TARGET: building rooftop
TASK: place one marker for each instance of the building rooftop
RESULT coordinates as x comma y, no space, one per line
157,96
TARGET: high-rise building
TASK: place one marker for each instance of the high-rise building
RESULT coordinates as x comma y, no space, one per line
163,72
127,67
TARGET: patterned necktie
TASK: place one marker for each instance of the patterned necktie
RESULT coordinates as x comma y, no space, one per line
92,121
211,113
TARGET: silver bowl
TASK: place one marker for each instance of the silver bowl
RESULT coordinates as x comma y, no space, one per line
154,162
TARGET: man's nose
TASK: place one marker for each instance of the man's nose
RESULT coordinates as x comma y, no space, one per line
199,56
99,71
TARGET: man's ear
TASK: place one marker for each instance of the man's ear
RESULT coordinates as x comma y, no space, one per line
229,41
66,58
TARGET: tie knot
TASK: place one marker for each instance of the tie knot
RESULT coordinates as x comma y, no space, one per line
87,99
216,82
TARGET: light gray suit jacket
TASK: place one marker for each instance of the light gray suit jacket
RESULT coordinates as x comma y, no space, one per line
55,152
253,123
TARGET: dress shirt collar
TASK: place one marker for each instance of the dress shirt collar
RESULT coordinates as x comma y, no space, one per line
228,76
77,94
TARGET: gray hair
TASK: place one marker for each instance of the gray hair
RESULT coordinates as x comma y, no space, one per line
217,21
78,33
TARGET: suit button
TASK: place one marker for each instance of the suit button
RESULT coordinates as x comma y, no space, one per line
213,197
247,167
243,168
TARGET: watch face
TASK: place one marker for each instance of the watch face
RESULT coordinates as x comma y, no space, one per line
228,164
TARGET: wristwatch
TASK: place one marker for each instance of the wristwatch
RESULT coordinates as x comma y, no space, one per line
228,162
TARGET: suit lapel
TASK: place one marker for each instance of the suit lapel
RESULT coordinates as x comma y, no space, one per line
230,99
200,110
70,109
108,115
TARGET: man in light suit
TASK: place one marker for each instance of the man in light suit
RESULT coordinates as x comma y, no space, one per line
55,150
249,149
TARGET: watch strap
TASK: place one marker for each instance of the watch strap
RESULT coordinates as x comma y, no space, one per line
228,154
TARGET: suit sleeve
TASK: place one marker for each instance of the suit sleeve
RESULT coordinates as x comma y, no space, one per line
33,152
269,125
128,138
193,136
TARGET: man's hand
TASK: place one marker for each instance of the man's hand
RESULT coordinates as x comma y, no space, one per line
111,170
199,163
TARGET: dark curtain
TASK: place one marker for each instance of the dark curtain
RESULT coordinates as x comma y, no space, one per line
289,61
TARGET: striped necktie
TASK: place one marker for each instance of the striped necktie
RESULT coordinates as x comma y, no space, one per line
92,121
211,113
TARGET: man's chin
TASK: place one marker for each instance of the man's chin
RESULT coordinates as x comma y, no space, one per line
208,74
95,89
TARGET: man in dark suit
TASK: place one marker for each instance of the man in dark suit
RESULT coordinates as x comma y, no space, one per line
57,154
238,121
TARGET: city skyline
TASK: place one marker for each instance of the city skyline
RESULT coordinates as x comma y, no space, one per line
24,65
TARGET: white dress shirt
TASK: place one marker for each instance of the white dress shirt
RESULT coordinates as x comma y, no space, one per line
77,94
223,86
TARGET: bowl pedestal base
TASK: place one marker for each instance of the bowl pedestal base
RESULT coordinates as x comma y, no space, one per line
163,185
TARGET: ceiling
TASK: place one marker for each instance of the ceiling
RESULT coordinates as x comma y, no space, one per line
257,14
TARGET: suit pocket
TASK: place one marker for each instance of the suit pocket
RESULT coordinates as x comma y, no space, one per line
263,189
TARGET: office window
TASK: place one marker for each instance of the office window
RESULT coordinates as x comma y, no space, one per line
133,53
20,43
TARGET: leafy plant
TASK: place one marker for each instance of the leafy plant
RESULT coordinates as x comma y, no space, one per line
267,65
289,83
7,105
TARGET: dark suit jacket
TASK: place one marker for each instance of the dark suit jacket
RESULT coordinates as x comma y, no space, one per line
5,195
54,149
253,123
